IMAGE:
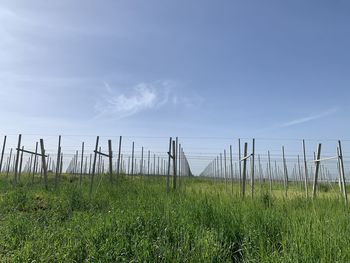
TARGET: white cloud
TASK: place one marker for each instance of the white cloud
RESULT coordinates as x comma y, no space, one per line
142,97
310,118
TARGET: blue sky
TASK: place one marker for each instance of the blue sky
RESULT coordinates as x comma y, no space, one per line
228,69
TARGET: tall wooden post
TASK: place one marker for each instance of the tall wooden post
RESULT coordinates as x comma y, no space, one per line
244,175
231,168
44,167
240,166
110,159
174,164
17,158
2,153
270,173
317,168
119,155
81,163
169,164
252,168
93,167
285,172
58,161
305,171
20,165
341,163
132,158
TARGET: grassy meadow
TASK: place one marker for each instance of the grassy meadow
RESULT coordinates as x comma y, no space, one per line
135,220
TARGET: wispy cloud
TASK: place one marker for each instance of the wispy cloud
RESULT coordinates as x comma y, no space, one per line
142,97
310,118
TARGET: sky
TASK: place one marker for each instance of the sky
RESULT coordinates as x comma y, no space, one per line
206,71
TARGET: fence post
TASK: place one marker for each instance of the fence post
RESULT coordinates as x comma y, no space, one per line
81,163
340,156
305,171
168,172
58,161
93,168
110,158
2,153
17,158
244,168
252,168
174,164
231,168
119,155
317,168
44,167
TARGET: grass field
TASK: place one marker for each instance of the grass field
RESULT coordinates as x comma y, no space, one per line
203,221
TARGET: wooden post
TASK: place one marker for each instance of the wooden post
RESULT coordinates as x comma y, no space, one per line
240,166
148,162
35,161
17,158
317,168
110,158
169,163
252,168
132,158
141,163
90,157
340,156
174,164
225,170
9,163
119,155
231,166
270,174
2,153
44,167
305,171
20,165
58,161
93,167
244,168
81,163
285,172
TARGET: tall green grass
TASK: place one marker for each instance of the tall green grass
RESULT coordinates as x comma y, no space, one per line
136,221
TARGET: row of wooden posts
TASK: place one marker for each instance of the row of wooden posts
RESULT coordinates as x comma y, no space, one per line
219,169
177,164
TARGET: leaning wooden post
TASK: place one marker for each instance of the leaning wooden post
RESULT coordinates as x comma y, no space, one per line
317,167
58,161
44,167
17,158
174,164
81,163
244,174
252,168
2,152
169,163
93,168
340,156
305,171
110,158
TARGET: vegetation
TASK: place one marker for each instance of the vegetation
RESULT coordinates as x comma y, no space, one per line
136,221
